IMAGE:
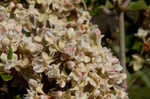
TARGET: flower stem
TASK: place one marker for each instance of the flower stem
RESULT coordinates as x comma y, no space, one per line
122,40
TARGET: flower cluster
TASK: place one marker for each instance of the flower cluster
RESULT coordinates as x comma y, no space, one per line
55,38
142,58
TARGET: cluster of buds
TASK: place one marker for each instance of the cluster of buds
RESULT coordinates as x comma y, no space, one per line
55,38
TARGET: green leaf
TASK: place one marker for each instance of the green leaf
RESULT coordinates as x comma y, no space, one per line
10,54
144,77
6,77
137,45
1,73
86,1
108,5
128,59
128,39
138,92
18,97
137,5
19,1
95,12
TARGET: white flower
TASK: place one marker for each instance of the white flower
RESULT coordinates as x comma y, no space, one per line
11,6
71,33
142,33
3,57
76,75
38,38
120,93
53,71
23,63
117,68
5,41
96,92
35,85
46,58
2,29
81,95
70,65
137,62
40,1
97,59
33,47
85,59
2,15
39,68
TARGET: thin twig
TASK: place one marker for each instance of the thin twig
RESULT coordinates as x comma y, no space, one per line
84,4
122,40
122,35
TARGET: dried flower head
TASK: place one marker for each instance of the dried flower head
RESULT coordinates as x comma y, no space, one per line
55,39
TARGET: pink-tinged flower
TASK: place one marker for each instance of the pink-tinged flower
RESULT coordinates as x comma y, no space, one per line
2,16
2,29
70,65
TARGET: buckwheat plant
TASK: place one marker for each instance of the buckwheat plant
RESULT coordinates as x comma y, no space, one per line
55,40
